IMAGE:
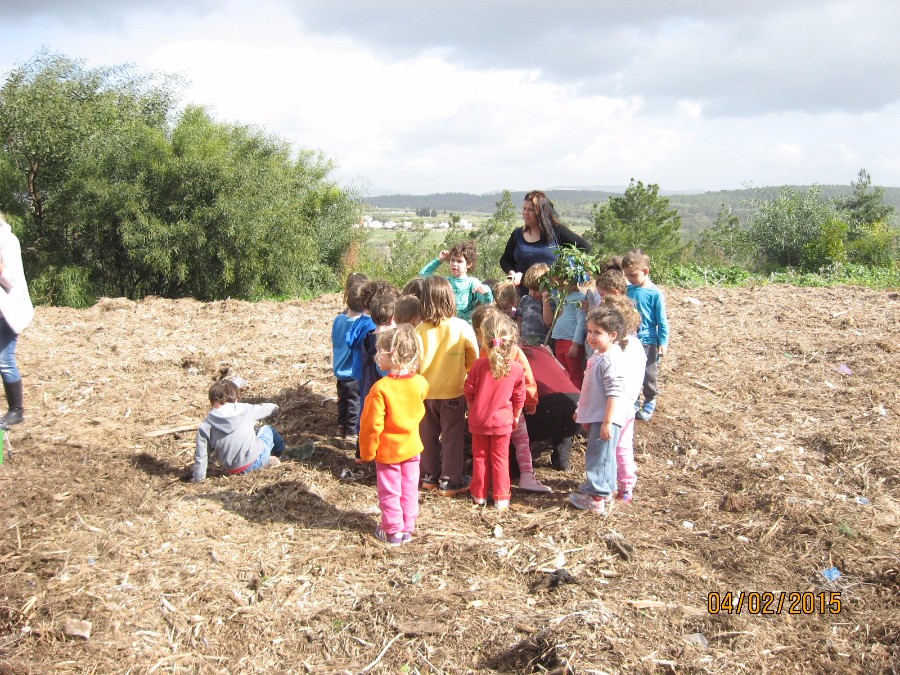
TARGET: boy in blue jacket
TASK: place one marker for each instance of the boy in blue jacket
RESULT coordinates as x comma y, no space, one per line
348,401
654,330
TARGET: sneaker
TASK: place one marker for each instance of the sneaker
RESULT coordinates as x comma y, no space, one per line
646,412
501,504
390,539
528,482
624,496
479,501
637,405
588,503
429,482
448,489
406,537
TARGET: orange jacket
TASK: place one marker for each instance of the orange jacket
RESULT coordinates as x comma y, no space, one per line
389,426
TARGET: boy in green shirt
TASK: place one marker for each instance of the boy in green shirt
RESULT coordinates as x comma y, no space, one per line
468,291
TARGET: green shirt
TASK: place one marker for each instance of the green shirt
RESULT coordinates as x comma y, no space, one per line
463,290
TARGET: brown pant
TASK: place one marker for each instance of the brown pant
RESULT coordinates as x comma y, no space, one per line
442,431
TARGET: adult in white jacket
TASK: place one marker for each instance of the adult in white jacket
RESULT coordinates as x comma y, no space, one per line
17,312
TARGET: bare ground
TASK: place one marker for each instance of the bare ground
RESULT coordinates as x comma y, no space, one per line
773,457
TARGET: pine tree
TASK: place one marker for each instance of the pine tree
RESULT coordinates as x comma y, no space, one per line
639,219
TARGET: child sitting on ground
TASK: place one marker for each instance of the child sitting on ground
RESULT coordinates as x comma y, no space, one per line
228,430
389,433
495,392
468,292
654,330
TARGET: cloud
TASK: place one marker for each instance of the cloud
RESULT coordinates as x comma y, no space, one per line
737,58
95,12
427,97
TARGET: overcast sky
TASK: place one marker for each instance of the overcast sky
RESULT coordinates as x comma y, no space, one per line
478,95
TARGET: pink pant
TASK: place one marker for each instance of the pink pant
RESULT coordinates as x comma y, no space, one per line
627,469
574,366
519,438
490,464
398,495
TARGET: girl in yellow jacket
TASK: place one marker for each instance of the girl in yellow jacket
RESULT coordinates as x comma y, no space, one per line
449,349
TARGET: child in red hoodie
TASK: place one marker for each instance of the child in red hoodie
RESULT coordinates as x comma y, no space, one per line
495,392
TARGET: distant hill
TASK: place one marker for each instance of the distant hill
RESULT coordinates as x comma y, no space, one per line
698,211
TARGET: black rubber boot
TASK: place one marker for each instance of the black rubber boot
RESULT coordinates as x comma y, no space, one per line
561,458
16,412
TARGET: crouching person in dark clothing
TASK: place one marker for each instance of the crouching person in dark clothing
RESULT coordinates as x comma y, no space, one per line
554,419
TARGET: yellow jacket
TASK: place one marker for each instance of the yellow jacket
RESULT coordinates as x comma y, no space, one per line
449,349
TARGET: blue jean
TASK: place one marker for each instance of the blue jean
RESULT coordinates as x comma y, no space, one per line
600,462
273,444
9,371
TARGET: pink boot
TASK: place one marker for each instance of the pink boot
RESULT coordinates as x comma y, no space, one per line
528,482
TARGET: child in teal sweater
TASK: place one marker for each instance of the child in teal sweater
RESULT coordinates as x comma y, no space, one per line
468,291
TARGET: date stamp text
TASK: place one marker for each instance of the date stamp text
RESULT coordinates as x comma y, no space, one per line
778,602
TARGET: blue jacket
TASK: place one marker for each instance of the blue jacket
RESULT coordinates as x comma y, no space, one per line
651,304
354,340
342,357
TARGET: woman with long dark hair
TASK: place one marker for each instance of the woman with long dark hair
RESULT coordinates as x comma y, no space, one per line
539,239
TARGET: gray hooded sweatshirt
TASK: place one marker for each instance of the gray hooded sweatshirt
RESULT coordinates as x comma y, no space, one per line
229,432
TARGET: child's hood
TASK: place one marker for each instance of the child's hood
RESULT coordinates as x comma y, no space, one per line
359,329
228,417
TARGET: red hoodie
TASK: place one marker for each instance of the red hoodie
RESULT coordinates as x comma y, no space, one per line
494,405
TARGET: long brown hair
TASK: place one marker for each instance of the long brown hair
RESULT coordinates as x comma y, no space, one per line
548,218
498,335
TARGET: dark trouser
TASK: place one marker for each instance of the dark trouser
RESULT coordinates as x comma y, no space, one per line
651,389
348,405
442,431
554,421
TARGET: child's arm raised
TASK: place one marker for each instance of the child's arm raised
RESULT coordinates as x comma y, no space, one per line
431,267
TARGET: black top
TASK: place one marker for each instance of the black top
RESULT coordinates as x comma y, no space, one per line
519,254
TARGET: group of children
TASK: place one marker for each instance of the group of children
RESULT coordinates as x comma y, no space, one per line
416,368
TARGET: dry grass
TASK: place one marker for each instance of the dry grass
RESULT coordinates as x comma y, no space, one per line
760,444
